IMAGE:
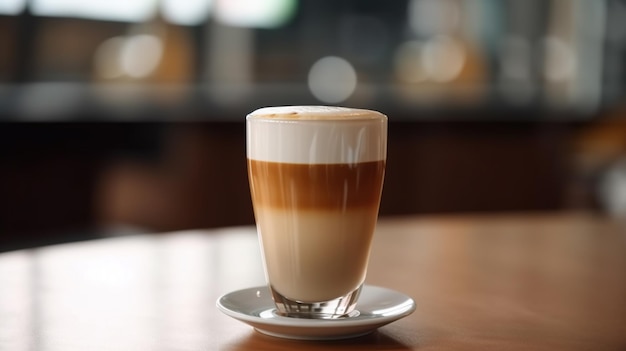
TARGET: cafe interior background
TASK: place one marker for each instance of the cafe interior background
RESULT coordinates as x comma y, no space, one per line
124,116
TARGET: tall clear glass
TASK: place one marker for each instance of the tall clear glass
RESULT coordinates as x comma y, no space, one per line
316,176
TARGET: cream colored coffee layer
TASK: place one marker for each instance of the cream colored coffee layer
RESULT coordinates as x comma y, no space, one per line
316,134
315,256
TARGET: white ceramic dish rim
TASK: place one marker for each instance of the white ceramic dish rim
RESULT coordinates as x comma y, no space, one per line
402,308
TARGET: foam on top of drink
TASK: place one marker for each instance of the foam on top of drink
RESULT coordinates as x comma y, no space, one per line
314,113
316,135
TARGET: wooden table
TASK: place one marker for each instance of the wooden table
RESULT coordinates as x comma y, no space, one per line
516,282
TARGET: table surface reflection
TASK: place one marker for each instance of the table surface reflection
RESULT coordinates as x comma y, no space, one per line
487,282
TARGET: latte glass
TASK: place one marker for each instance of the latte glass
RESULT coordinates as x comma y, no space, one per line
316,176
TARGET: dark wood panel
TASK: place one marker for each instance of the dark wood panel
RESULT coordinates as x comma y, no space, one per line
158,176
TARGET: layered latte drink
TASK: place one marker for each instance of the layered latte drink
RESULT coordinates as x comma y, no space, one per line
316,175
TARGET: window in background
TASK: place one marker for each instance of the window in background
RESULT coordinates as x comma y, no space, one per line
186,12
12,7
112,10
255,13
238,13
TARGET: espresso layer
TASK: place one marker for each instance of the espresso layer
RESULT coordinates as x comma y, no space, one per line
316,186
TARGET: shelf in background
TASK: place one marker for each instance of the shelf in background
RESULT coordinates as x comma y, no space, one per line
120,102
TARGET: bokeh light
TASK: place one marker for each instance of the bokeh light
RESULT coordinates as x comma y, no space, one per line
559,61
135,56
443,58
106,58
440,59
332,79
141,55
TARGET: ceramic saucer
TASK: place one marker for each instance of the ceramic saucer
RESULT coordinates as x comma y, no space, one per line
376,307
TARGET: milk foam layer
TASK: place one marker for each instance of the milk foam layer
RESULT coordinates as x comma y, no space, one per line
314,112
316,134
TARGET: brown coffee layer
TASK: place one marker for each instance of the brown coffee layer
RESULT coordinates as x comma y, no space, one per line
316,186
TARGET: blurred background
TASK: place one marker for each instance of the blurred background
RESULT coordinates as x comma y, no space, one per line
122,116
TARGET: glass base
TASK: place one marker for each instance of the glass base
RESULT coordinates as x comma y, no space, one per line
338,308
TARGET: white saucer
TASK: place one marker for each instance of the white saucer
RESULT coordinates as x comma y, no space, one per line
376,307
